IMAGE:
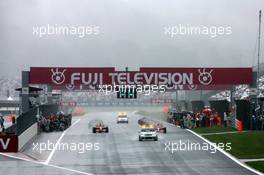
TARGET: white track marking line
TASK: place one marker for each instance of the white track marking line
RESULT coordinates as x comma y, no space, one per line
227,154
41,163
58,142
251,160
219,133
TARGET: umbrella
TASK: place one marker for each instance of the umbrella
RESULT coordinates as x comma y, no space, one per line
207,110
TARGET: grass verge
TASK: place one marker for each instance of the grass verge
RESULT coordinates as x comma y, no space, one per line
258,165
213,129
247,145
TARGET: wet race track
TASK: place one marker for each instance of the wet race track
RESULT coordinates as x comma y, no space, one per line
117,152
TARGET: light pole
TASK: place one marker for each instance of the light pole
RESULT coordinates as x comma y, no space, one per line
258,52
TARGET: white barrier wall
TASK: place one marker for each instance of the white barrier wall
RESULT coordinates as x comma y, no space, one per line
27,135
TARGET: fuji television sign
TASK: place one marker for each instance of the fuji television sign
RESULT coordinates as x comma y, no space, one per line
188,78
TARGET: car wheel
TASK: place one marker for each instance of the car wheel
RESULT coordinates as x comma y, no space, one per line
156,139
139,139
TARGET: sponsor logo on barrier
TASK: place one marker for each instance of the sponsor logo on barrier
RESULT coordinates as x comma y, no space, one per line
4,144
8,143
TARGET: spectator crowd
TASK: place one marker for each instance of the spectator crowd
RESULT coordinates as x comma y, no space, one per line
206,118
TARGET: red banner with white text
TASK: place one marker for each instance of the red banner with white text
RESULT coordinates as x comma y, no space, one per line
174,78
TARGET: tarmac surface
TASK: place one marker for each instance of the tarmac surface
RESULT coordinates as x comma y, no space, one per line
117,152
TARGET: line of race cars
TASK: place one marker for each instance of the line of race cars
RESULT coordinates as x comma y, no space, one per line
149,128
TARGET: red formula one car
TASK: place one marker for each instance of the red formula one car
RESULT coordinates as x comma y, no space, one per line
160,128
100,127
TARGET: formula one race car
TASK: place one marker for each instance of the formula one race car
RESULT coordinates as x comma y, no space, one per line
122,117
160,128
148,123
100,127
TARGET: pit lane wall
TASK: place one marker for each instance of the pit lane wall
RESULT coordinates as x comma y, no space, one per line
27,135
18,135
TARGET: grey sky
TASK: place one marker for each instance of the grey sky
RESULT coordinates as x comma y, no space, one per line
131,33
